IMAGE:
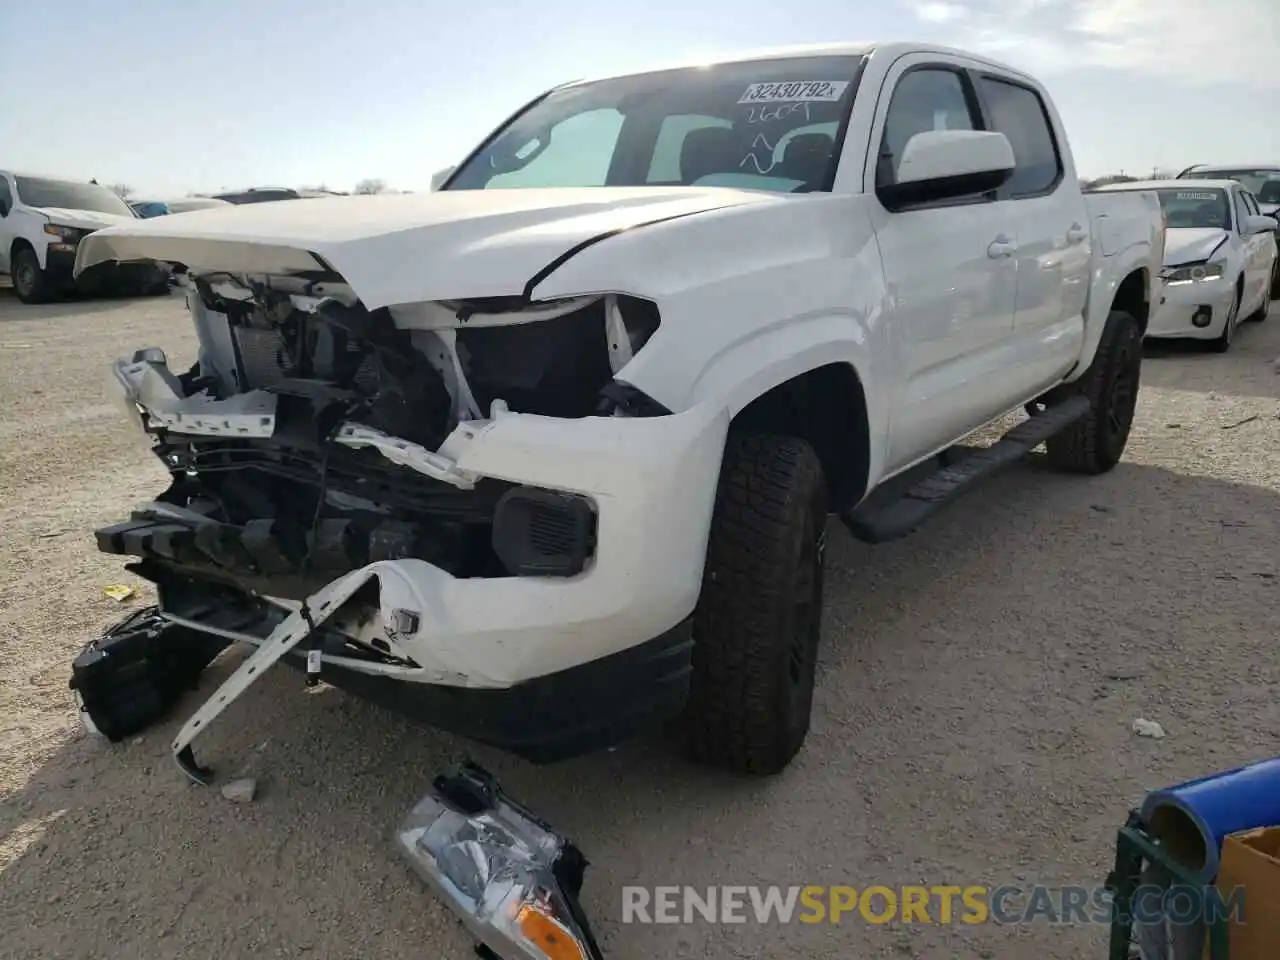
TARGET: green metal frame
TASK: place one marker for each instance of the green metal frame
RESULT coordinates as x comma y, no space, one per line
1134,846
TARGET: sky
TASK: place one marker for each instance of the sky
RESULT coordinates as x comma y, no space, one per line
172,96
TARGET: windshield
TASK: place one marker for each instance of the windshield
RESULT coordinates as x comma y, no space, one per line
764,125
1263,183
1204,209
39,192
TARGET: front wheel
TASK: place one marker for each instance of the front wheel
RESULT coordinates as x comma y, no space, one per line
757,622
1095,443
1222,343
1263,311
30,282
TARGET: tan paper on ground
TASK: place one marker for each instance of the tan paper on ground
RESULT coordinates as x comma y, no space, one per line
1252,860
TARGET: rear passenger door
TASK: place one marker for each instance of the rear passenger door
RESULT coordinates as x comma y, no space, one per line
949,269
1049,214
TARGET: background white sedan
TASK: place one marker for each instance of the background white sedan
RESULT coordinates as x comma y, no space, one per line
1220,259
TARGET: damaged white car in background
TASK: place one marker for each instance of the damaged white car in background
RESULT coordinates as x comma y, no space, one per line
545,457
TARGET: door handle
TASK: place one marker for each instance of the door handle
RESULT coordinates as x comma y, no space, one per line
1001,247
1076,233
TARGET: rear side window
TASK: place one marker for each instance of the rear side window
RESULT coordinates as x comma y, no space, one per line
1019,113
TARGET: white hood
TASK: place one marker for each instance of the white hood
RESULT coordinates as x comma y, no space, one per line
407,248
84,219
1191,244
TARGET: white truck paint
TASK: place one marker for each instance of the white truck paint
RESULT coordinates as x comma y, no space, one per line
1220,262
876,234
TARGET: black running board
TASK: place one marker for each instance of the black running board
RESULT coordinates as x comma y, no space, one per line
907,513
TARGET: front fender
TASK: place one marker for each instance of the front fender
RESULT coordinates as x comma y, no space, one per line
749,297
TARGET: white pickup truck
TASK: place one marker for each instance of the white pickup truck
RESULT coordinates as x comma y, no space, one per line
545,457
43,219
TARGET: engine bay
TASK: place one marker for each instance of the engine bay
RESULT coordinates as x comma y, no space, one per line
281,515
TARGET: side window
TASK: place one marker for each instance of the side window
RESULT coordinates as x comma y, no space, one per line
578,153
1242,211
6,196
930,99
1250,203
670,145
1019,113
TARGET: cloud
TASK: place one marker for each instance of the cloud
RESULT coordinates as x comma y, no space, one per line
1185,42
939,12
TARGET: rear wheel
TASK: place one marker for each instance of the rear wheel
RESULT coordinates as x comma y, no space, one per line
1275,275
30,282
1095,443
758,619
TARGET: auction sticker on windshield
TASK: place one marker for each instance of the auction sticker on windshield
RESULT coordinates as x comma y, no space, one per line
795,91
1198,196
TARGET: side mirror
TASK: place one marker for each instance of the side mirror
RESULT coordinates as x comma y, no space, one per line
946,164
1260,223
440,176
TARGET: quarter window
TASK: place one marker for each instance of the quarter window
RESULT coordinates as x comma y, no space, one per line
931,99
1019,113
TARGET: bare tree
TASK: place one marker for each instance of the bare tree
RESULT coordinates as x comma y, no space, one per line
122,190
371,185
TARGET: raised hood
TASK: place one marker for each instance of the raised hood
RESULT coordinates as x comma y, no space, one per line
1191,244
407,248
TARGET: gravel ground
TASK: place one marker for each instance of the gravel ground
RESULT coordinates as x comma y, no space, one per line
972,722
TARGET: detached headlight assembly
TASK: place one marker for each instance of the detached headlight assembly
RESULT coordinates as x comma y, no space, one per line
508,876
1193,273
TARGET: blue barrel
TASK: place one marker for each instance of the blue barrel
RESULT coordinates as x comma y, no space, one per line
1192,819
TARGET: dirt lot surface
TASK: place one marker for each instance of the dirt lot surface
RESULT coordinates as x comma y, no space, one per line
972,723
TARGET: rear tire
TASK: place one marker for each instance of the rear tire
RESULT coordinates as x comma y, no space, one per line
1275,275
30,282
757,623
1095,443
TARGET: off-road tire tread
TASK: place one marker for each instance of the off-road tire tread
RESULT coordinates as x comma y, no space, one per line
1080,447
735,716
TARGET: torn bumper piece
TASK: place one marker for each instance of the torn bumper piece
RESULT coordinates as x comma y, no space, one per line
512,880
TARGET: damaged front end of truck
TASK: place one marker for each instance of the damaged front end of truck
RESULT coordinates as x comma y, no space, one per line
452,506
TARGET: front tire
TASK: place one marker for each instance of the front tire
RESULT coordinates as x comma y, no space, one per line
1094,444
1263,311
757,623
30,282
1222,343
